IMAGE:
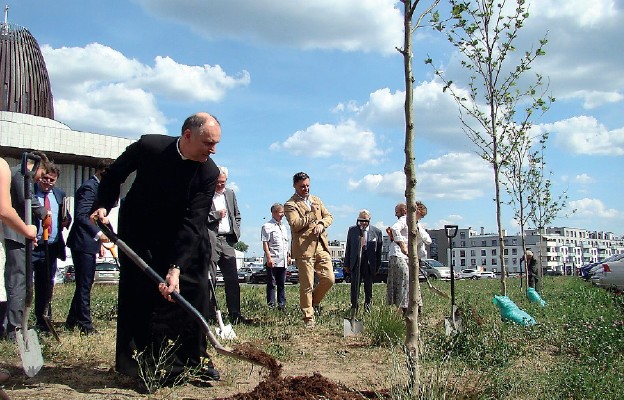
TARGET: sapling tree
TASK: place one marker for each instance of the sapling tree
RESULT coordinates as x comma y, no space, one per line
412,334
497,105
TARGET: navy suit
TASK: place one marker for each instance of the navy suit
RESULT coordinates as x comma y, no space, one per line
84,248
362,263
44,274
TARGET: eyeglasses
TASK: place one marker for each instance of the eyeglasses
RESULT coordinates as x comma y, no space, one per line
48,180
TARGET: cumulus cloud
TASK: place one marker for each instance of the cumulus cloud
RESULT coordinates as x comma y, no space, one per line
584,179
461,176
585,135
346,140
593,208
348,25
98,89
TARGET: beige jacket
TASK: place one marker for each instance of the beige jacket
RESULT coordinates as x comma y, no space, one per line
302,222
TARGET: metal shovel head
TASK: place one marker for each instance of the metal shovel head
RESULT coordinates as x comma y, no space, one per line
224,331
352,327
30,351
454,323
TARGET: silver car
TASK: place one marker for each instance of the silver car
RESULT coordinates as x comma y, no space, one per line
106,272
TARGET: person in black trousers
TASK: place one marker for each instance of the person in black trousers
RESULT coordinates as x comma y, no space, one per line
85,243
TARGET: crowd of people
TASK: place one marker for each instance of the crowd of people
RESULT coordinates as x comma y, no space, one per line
181,219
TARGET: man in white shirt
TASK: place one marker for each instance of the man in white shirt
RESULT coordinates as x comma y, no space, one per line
276,246
224,229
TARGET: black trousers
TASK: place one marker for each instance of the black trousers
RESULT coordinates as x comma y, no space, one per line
359,274
44,280
80,309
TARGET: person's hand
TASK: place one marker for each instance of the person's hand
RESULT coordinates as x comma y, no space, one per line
270,263
104,238
102,251
223,212
318,229
314,207
172,284
100,214
31,232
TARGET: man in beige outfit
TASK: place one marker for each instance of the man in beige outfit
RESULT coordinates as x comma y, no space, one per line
309,219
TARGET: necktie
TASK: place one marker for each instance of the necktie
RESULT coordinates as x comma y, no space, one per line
364,241
46,204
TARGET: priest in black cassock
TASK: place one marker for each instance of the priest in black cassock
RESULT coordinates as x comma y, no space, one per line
163,219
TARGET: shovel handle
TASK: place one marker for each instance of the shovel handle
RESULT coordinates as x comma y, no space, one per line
188,307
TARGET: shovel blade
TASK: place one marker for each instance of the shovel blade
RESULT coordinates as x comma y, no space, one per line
227,332
30,351
352,327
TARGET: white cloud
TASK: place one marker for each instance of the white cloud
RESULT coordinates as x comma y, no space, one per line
346,140
593,208
348,25
585,135
584,179
98,89
461,176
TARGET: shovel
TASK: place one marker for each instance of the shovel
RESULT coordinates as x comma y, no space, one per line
255,358
224,331
352,326
27,340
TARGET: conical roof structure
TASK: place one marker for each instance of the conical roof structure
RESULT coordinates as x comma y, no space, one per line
25,84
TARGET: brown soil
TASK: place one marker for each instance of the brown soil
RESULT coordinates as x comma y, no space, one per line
320,364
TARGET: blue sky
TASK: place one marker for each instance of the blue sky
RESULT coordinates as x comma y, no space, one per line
318,87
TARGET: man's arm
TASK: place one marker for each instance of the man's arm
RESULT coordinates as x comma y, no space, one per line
347,259
378,247
297,221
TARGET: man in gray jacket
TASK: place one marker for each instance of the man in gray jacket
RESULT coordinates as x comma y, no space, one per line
224,230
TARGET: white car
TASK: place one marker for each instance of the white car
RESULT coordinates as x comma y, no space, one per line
612,275
470,273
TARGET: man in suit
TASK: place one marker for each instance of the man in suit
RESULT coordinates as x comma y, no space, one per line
308,219
224,230
363,258
47,252
163,219
85,243
15,244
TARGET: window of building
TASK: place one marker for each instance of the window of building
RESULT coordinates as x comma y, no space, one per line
483,261
483,253
463,243
483,243
494,242
473,253
514,251
514,261
462,253
462,235
493,261
462,262
493,252
506,252
473,261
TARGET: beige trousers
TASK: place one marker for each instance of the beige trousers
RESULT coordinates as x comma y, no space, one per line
309,295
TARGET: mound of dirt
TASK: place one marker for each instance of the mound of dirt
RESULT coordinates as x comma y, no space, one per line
303,388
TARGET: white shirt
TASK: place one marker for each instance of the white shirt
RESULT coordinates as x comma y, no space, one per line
276,235
399,231
219,203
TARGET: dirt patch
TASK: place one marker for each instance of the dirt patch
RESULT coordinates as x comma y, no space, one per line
303,388
249,352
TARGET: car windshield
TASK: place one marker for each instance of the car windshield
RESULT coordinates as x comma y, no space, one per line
105,267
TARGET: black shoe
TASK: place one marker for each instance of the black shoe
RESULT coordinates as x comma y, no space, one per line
236,319
209,374
88,331
317,309
281,307
367,307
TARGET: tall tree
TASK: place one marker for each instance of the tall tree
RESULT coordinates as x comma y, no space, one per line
411,322
493,110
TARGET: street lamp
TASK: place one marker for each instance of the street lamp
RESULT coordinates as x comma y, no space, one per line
451,232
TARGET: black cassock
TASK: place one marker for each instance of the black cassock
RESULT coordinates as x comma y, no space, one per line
163,219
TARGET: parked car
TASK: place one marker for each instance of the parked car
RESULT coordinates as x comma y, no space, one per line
588,270
259,276
219,277
106,272
70,274
292,274
471,273
382,274
612,275
434,269
339,274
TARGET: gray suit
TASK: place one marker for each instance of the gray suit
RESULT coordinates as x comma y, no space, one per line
223,253
15,271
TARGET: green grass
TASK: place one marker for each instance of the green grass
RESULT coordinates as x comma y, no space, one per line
576,349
